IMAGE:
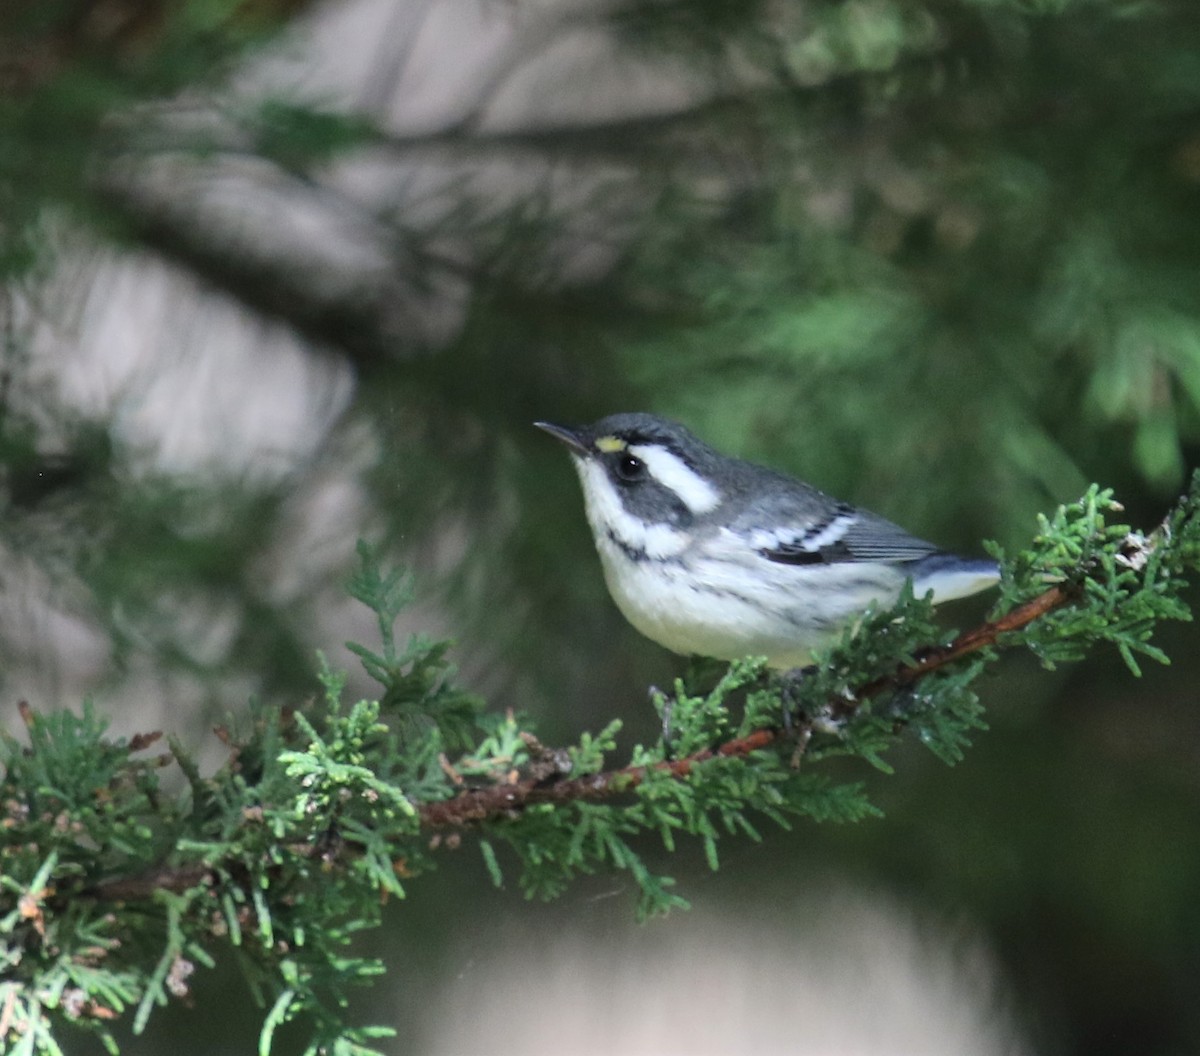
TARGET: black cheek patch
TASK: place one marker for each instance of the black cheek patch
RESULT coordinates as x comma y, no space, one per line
655,504
681,516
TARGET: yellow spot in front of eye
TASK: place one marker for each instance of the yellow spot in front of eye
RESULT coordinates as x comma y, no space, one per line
609,444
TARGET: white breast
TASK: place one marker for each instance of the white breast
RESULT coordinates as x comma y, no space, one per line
732,602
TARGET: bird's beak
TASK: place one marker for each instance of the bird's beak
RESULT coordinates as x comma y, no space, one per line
570,437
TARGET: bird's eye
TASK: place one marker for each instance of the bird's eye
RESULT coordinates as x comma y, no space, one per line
630,467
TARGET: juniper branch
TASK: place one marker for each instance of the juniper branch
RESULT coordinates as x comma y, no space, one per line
474,806
478,805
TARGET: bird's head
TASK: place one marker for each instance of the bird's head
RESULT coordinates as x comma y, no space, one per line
639,471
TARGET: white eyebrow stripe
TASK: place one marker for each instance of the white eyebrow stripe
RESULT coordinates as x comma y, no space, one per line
696,493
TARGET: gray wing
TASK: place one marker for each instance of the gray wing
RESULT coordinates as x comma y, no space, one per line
813,529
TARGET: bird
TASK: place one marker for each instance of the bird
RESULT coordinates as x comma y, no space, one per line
710,555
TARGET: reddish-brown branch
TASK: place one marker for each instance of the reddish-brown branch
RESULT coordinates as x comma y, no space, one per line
501,800
498,800
142,886
968,642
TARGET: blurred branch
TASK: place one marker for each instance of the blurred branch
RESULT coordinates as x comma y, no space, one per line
388,298
373,310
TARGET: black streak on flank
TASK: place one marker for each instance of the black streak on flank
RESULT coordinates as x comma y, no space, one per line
638,555
632,552
797,556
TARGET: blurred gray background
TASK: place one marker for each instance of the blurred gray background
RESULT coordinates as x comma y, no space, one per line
278,276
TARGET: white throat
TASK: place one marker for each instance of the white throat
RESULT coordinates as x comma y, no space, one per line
617,530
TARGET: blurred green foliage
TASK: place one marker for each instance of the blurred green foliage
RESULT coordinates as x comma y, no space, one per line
937,257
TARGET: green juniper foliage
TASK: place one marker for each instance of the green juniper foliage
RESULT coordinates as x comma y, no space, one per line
943,253
114,891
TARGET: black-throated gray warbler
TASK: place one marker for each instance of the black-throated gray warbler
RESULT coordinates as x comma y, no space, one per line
710,555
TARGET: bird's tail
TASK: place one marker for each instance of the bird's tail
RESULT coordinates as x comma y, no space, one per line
950,576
